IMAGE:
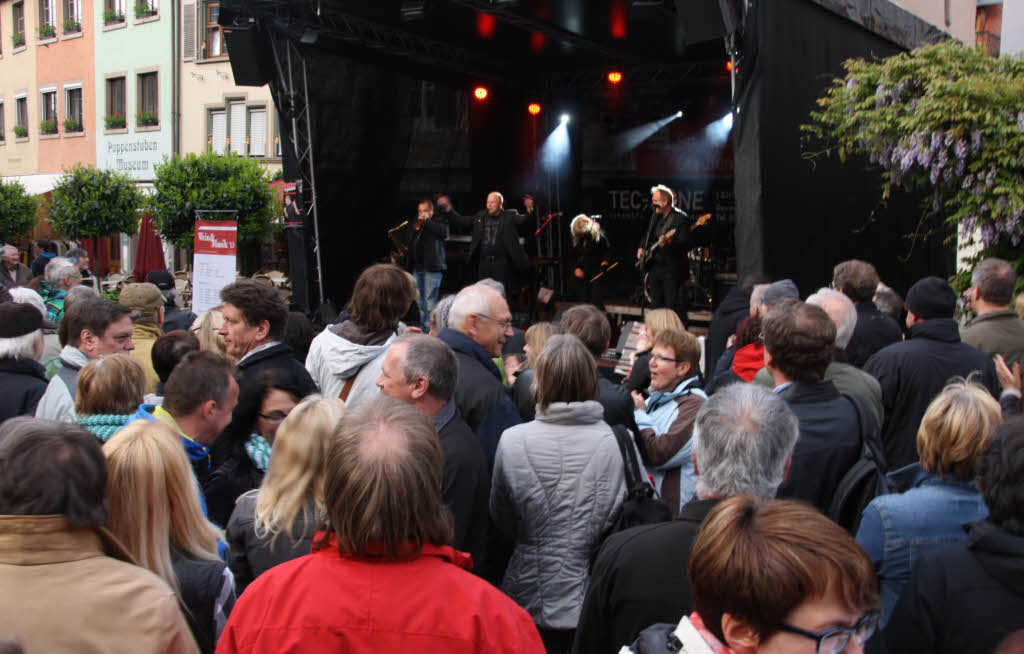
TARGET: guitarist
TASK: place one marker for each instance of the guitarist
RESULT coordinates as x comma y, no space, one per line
665,255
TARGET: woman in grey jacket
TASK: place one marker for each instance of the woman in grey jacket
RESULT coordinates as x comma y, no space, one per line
558,482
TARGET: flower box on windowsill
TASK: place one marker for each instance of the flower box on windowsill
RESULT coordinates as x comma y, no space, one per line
115,121
72,125
111,17
48,127
72,27
143,10
47,32
146,119
20,132
18,39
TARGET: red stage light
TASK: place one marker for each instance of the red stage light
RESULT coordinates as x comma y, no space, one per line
533,108
486,25
728,66
615,77
480,93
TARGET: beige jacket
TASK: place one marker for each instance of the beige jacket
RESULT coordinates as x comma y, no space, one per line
143,336
63,590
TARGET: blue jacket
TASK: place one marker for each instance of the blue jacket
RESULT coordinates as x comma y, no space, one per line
897,529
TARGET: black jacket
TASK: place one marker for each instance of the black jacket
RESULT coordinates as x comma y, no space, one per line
175,318
616,401
588,255
480,396
202,589
639,578
671,256
829,442
964,599
426,244
23,382
276,357
237,475
249,556
509,237
873,331
466,487
729,314
912,372
640,374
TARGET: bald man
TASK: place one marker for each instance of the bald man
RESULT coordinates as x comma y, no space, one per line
495,244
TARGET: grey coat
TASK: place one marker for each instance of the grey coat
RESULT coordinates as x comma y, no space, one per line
558,483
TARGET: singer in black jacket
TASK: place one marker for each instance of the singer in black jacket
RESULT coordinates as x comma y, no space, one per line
495,246
664,259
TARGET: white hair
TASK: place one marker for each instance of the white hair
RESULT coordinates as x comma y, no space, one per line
58,270
22,346
28,296
493,284
667,191
7,247
475,299
840,309
501,198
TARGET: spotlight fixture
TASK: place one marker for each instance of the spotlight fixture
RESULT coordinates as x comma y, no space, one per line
565,119
614,77
679,114
480,93
533,108
728,66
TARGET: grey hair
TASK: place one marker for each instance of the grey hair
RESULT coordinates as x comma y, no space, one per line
439,316
58,270
756,293
75,254
996,281
77,293
840,309
501,198
667,191
21,347
429,357
743,438
475,299
7,247
28,296
493,284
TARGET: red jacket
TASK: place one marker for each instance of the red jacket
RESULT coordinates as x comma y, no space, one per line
748,360
326,602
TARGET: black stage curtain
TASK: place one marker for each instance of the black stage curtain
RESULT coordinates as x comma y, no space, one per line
794,218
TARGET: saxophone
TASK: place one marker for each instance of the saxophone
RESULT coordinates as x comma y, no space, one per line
401,250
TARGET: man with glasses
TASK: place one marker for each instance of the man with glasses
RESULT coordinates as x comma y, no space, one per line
479,322
665,420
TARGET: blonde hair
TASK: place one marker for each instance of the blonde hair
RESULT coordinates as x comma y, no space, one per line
1018,305
113,384
297,463
956,429
536,336
659,321
205,328
154,500
583,225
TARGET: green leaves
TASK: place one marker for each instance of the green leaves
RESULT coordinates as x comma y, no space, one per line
89,203
211,182
18,210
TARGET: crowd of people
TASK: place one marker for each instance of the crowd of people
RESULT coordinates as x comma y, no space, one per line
815,475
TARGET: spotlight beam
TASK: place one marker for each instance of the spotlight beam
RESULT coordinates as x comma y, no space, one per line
629,139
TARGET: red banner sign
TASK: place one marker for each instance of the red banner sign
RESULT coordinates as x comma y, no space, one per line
216,237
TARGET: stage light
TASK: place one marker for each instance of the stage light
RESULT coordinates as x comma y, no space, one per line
565,119
679,114
615,77
480,93
728,66
718,131
634,136
533,108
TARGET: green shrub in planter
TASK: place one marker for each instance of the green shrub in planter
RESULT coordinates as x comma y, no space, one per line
72,125
71,26
143,10
112,16
47,31
48,127
20,131
146,118
115,121
18,39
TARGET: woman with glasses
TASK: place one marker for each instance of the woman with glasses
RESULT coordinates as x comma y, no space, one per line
242,453
558,482
772,577
276,523
657,322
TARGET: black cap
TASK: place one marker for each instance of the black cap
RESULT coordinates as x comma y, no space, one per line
18,319
931,297
162,279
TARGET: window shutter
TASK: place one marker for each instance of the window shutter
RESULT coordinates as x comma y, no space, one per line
238,127
258,133
219,123
188,31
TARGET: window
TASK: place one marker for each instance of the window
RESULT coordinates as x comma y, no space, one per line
145,8
113,11
213,46
116,108
218,130
21,116
49,105
72,15
257,131
149,108
18,16
237,127
72,108
47,13
3,123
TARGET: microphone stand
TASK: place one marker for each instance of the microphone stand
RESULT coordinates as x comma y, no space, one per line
643,274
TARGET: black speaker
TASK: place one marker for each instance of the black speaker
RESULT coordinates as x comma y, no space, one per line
249,49
298,268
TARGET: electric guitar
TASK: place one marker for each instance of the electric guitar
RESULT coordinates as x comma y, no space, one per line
644,262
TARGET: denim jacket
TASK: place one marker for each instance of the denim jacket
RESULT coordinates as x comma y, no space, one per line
897,529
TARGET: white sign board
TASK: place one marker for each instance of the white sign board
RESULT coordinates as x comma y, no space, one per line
213,265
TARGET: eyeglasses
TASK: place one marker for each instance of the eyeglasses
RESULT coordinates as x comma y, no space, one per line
276,416
664,359
504,324
835,639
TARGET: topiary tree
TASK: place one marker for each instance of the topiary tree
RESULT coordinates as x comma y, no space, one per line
19,211
88,202
212,182
947,119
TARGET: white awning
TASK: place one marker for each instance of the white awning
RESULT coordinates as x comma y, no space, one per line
35,184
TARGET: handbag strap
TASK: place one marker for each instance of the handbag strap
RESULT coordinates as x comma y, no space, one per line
626,449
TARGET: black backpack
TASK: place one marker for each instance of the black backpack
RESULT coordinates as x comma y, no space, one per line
865,481
640,506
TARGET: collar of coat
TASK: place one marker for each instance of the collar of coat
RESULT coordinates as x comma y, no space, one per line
327,543
462,343
49,539
944,330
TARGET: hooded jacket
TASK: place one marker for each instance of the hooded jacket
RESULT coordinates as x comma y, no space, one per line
58,402
23,382
343,350
962,600
912,372
558,482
